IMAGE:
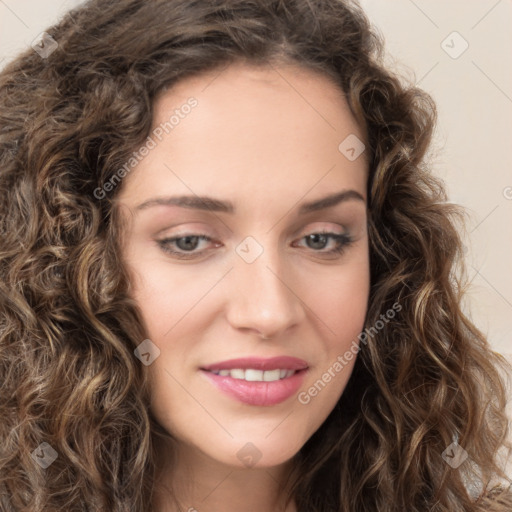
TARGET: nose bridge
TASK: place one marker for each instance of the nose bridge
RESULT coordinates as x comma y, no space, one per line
262,298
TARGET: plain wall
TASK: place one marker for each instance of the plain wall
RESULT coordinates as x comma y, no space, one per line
473,93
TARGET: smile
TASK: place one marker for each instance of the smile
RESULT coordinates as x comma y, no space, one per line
256,381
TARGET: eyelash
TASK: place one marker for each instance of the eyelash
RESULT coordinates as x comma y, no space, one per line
343,241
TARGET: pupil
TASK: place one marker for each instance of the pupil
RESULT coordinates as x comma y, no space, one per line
185,243
315,239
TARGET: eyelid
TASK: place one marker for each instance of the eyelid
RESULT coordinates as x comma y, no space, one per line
326,227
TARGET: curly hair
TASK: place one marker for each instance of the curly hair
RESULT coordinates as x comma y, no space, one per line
68,326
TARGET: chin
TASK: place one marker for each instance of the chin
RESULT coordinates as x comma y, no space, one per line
257,454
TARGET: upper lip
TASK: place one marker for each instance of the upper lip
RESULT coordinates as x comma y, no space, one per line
258,363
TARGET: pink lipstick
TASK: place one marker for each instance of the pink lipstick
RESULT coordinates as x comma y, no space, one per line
258,381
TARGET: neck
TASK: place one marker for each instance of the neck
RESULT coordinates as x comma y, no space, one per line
199,483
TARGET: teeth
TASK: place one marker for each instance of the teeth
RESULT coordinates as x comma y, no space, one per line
252,375
271,375
237,374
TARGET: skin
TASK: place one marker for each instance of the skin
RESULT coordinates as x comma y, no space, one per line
266,139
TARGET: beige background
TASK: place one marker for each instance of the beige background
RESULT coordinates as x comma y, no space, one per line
473,92
473,142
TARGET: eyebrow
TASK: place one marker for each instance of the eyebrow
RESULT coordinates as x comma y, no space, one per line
216,205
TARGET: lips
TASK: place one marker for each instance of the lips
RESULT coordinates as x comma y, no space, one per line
257,381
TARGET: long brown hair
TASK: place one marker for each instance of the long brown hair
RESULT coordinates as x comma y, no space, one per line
70,120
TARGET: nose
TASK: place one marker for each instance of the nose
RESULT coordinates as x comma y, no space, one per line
264,296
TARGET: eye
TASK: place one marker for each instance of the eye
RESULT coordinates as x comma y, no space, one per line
320,240
186,244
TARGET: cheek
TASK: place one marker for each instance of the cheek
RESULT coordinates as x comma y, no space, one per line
165,294
340,305
340,301
341,308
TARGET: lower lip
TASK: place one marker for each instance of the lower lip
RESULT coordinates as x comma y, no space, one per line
258,393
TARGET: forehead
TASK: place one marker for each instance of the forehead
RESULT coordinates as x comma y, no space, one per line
283,92
251,127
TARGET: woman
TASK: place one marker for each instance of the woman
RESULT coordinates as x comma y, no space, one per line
228,277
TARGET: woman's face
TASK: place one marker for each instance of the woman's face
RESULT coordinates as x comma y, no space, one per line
241,257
